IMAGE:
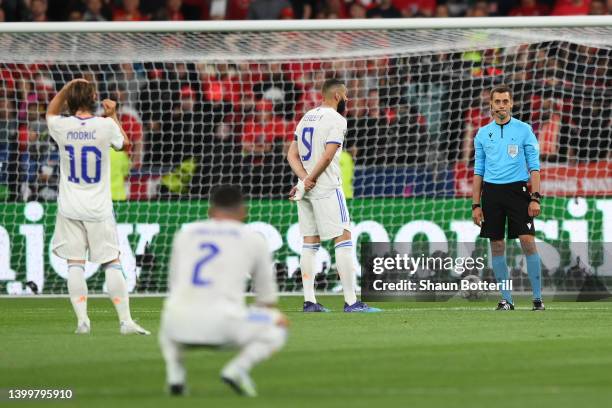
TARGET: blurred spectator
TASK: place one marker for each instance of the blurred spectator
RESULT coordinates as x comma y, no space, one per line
132,81
37,11
408,141
256,136
571,7
265,140
384,9
40,162
370,130
347,172
477,116
598,8
172,11
119,170
594,132
457,8
480,9
93,11
269,10
131,123
182,132
179,180
441,11
336,9
553,134
528,8
277,87
2,15
8,148
490,64
75,15
415,8
357,10
232,9
129,12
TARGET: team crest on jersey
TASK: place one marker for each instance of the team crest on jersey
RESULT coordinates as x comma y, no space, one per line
512,150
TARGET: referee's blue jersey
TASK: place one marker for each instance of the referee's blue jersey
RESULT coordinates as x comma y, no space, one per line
506,153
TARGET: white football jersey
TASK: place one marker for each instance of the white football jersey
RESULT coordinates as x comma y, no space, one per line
210,264
84,143
318,128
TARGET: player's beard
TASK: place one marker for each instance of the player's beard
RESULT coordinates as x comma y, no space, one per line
341,106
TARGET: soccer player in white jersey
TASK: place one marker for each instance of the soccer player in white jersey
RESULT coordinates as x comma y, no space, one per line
210,264
314,157
85,225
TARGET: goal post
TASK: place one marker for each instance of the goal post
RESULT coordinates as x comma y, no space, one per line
207,103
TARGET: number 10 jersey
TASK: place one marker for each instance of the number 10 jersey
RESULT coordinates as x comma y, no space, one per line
84,148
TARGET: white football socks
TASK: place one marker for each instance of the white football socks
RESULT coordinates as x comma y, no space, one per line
117,291
307,265
346,271
77,290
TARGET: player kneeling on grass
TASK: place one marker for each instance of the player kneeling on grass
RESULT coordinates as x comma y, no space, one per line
210,264
85,222
314,157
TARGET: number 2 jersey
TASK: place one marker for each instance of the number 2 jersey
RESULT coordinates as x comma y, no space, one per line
318,128
84,146
210,265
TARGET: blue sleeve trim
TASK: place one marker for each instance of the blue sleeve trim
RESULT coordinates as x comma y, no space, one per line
338,143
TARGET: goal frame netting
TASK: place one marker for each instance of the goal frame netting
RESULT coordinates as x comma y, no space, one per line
25,242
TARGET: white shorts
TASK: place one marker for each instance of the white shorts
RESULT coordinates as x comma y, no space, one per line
325,217
73,239
220,327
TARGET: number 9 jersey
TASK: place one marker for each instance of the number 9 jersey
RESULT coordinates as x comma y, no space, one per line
84,144
318,128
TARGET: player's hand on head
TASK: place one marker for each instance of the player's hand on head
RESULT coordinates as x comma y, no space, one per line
534,209
110,107
78,80
477,216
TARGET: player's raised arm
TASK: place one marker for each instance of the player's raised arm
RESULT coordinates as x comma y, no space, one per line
57,103
110,111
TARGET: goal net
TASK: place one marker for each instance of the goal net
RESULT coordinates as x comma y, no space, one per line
204,108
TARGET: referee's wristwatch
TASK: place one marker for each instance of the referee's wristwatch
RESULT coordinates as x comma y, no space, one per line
475,206
537,197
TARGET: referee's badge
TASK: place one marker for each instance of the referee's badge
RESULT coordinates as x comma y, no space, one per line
513,150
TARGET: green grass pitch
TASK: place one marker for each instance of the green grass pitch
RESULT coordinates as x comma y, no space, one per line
445,354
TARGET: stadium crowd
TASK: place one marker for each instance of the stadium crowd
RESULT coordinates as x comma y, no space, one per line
194,125
176,10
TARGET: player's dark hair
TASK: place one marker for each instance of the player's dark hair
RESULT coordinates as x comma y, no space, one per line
81,96
331,83
501,89
226,197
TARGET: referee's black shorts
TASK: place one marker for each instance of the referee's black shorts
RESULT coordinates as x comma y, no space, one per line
506,201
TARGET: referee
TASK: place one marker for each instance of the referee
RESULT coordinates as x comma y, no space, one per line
506,155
